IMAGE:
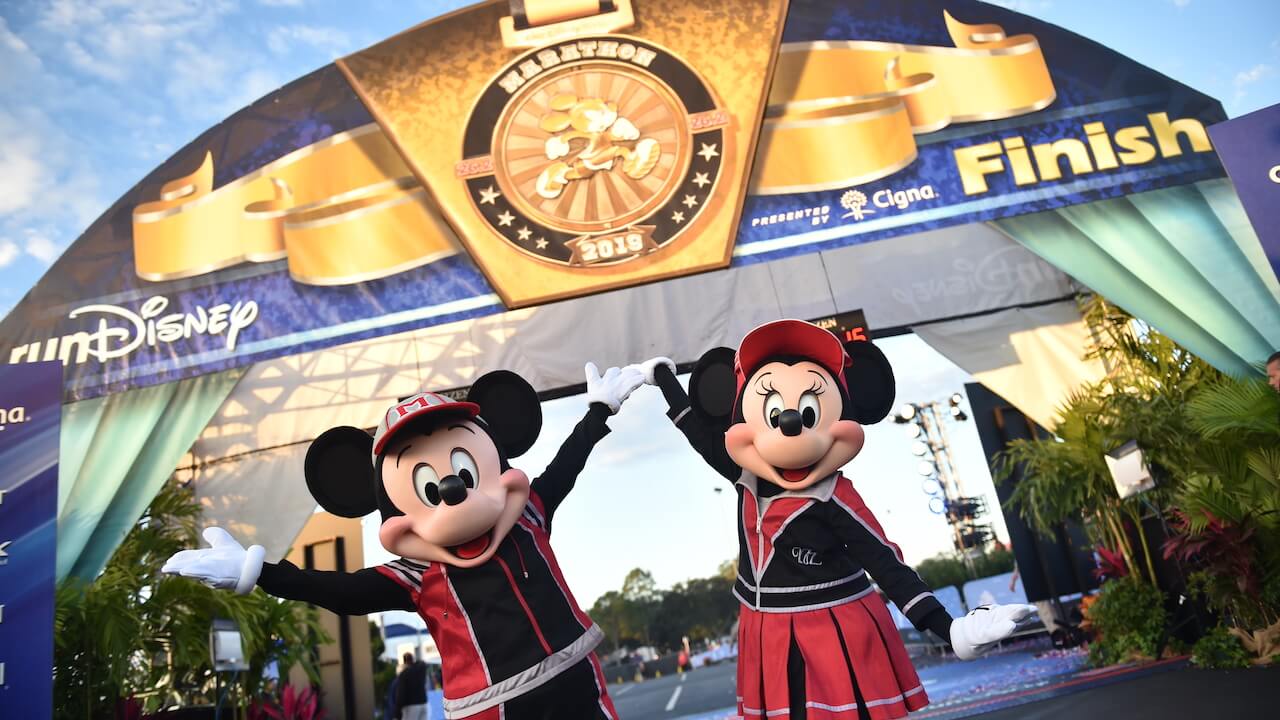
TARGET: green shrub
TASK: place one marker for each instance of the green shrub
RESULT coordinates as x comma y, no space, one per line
1129,619
1219,650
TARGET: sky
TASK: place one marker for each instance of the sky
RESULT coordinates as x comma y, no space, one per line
96,93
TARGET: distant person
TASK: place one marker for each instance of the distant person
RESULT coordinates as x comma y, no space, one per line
411,690
1273,371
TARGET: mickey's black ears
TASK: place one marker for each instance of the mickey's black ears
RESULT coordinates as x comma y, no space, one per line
509,406
713,387
339,472
871,384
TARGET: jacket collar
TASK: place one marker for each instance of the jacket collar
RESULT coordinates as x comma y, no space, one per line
820,491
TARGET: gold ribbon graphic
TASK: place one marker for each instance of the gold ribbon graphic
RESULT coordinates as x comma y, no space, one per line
347,208
845,113
343,210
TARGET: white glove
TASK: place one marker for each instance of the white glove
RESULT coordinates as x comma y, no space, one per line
614,387
650,366
226,565
984,626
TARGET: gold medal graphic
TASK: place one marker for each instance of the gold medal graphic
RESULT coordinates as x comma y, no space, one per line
593,151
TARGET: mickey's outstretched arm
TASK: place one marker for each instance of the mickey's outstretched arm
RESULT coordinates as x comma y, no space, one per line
229,566
708,441
605,395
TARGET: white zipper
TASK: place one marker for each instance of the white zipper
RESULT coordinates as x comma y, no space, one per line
759,548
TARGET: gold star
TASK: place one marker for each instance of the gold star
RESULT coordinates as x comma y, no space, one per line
524,233
488,195
690,201
708,151
505,218
701,179
542,244
677,216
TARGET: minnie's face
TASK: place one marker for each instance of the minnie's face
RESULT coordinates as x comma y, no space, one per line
458,505
793,435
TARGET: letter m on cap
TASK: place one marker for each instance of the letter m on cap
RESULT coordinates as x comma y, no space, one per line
417,402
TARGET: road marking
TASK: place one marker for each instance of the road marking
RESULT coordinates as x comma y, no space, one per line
671,704
624,690
683,676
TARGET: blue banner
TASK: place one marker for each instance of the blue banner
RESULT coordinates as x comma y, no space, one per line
1250,150
295,225
30,416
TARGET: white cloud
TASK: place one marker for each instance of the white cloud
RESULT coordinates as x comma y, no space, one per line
1245,78
1181,3
281,3
41,248
8,253
20,156
331,41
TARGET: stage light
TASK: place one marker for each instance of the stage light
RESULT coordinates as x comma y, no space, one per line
225,648
913,431
919,448
956,399
958,414
926,468
906,413
936,506
931,486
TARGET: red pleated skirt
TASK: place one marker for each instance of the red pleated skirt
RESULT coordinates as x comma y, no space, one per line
851,645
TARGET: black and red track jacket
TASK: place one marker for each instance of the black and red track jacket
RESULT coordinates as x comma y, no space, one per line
808,549
503,628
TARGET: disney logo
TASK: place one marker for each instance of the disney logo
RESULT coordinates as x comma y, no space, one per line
150,325
997,272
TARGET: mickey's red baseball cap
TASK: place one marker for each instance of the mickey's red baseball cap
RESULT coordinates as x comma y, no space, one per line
416,406
791,337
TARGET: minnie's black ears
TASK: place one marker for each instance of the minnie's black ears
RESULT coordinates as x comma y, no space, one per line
339,472
871,384
713,387
509,406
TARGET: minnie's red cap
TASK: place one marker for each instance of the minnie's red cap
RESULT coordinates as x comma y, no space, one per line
791,337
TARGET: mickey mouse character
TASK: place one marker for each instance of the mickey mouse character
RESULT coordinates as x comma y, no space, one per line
779,418
473,537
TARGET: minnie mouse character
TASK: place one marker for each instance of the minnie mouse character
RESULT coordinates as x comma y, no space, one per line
779,419
473,539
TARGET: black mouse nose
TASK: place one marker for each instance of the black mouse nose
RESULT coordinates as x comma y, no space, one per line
453,490
791,423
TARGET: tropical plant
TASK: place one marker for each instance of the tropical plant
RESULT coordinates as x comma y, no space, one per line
295,705
1227,522
1263,644
136,633
1144,398
1127,619
1219,649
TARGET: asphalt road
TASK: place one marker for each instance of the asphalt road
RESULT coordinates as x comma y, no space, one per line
706,692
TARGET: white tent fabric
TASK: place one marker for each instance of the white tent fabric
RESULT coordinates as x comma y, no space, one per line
247,464
1031,357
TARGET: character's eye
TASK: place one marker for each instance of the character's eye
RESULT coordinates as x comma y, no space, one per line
464,466
809,408
773,407
427,484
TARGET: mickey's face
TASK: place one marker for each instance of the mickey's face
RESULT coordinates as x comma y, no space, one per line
458,505
793,434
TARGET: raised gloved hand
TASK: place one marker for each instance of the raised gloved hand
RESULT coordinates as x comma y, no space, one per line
226,565
984,626
650,366
613,387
